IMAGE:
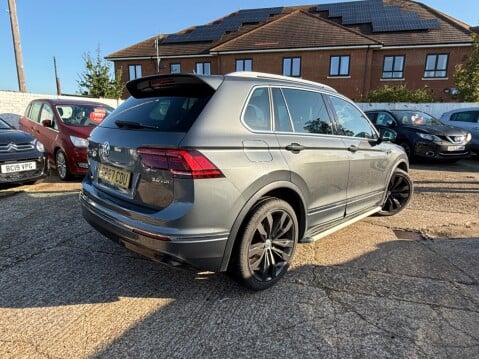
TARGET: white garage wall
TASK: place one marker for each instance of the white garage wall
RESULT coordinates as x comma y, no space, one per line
434,109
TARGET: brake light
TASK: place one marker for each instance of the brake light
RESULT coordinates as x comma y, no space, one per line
181,163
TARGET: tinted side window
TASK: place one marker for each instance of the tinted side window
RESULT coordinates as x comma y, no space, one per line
27,110
470,116
282,120
384,119
350,121
35,111
46,113
257,112
308,111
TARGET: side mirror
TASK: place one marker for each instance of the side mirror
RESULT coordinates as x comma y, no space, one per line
388,135
47,123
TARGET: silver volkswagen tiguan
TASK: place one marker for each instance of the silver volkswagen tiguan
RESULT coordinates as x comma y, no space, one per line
231,172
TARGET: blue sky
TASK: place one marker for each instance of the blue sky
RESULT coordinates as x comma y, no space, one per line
68,29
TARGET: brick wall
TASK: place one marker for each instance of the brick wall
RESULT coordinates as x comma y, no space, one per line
13,104
366,66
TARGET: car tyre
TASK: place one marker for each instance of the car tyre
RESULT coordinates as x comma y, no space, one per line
408,149
61,163
267,244
399,193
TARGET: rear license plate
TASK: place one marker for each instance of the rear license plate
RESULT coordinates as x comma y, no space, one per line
19,167
115,176
456,148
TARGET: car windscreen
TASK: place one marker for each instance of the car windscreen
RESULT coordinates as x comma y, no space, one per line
83,115
416,118
163,113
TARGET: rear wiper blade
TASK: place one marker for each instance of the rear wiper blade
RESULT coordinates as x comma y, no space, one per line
132,124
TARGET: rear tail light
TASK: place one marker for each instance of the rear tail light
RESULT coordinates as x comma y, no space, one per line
181,163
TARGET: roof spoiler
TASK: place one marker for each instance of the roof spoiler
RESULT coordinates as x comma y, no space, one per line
174,85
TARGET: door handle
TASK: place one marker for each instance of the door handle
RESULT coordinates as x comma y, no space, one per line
295,147
353,148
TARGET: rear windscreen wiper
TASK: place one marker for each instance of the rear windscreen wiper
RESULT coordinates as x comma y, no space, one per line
132,124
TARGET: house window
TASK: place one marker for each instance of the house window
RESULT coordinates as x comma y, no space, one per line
393,67
203,68
436,66
134,71
292,66
339,66
244,65
175,68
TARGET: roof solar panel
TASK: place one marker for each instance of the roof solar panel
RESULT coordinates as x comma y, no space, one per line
233,22
383,18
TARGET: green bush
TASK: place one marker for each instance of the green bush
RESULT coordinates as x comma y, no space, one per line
399,94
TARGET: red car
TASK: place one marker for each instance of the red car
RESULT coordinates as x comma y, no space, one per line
63,126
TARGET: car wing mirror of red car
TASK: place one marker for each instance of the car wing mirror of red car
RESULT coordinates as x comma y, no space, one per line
47,123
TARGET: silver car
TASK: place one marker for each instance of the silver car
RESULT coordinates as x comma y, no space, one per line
468,119
230,173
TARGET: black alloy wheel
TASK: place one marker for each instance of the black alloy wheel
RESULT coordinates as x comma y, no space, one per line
267,245
399,193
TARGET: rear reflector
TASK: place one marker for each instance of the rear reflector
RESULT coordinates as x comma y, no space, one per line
151,235
181,163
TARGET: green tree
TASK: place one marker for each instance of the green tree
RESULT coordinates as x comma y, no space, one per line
466,76
399,94
96,81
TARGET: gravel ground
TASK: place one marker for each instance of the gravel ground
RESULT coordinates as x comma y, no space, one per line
398,287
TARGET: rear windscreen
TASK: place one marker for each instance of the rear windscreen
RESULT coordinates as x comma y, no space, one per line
164,113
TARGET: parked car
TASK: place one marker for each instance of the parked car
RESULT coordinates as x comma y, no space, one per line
63,126
468,119
422,135
22,157
229,173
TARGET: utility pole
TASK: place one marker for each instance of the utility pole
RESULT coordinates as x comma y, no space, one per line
57,79
17,45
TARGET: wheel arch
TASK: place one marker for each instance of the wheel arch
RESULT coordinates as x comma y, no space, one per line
282,190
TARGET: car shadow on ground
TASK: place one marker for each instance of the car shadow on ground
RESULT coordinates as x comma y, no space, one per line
402,299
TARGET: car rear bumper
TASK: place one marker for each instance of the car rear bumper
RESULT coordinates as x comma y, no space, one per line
201,251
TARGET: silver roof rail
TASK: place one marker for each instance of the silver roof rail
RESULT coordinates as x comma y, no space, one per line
264,75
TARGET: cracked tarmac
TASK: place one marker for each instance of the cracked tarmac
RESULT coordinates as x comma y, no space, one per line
67,292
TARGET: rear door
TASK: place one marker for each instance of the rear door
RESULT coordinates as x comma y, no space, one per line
369,166
317,159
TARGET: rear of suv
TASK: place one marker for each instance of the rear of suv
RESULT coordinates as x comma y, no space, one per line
230,172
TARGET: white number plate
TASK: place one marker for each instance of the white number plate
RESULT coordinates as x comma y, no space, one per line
456,148
19,167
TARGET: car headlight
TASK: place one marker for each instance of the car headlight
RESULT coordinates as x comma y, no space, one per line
468,137
39,146
79,142
428,137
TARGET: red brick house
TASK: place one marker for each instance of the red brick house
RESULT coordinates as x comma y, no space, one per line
354,47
